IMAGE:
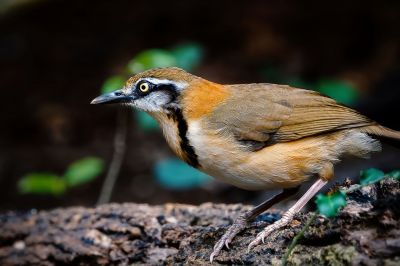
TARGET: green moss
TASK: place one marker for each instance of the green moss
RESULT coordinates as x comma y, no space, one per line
334,255
338,254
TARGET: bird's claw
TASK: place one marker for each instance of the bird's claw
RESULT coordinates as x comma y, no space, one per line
251,245
224,241
227,244
227,238
212,257
259,238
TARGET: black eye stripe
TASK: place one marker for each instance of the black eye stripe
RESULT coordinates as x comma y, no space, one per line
169,88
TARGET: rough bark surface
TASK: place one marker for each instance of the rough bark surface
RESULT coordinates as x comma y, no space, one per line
367,232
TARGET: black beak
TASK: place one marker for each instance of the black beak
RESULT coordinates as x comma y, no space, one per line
112,97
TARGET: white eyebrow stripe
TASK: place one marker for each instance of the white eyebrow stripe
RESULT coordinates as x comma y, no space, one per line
156,81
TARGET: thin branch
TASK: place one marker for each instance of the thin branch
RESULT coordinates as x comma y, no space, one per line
359,186
118,157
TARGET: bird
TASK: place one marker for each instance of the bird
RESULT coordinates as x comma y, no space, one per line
255,136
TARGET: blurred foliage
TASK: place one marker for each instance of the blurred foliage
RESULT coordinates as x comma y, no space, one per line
150,59
83,171
329,205
342,91
77,173
113,83
42,183
395,174
188,56
175,174
145,121
371,176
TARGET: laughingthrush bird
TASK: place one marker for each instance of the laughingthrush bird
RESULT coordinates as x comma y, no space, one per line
253,136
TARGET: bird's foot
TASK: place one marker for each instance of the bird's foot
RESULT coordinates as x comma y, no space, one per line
286,219
239,224
288,216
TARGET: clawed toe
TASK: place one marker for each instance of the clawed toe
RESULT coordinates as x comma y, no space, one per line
227,244
224,241
259,238
227,238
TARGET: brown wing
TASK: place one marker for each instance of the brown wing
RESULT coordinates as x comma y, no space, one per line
272,113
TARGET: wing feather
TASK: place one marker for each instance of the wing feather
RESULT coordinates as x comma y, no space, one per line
274,113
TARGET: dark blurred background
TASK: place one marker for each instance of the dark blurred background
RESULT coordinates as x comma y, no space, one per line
55,56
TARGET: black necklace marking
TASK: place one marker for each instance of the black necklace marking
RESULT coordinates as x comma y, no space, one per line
188,150
176,115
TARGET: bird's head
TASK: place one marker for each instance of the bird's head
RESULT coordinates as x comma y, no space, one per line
155,90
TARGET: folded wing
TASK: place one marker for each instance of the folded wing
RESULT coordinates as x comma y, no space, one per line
269,113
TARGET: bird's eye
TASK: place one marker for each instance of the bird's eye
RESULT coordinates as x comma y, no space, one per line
144,87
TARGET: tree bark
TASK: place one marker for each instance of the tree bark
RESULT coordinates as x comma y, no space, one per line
367,231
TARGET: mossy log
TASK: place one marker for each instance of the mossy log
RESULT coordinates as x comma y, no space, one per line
366,232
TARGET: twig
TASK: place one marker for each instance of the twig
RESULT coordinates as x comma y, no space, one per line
297,238
359,186
118,156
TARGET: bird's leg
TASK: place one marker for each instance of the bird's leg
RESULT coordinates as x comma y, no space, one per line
240,223
288,216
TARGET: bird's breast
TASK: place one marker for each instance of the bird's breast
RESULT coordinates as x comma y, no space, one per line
221,157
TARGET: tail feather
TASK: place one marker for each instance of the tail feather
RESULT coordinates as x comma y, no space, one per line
385,134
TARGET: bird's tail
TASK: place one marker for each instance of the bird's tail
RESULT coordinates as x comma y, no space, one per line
387,135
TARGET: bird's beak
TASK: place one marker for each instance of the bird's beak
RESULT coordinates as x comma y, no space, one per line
113,97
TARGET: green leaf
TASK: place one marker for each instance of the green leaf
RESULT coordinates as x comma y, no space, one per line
42,183
188,56
394,174
329,205
341,91
174,174
151,59
370,176
113,83
145,121
83,171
